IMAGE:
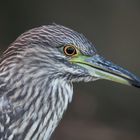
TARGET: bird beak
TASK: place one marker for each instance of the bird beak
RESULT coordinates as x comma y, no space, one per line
98,67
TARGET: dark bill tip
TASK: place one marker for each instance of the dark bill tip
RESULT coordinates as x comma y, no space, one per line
135,84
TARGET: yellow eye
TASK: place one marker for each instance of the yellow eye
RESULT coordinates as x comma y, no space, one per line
70,50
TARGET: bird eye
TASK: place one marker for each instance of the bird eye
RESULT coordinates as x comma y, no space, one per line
69,50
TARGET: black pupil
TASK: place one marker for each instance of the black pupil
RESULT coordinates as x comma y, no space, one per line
70,50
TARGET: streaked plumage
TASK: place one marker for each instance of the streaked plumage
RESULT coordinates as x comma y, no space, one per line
36,81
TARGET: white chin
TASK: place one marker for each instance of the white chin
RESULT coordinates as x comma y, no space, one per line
85,79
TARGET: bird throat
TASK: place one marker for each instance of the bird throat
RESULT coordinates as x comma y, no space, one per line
42,109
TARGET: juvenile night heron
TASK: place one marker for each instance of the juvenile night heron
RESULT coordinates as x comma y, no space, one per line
36,75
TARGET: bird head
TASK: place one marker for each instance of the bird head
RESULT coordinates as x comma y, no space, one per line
57,51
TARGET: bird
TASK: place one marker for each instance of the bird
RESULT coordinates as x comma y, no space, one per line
37,72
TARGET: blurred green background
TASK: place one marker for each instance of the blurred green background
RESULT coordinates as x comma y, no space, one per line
101,110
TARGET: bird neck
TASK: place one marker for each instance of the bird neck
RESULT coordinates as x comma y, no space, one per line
41,103
50,104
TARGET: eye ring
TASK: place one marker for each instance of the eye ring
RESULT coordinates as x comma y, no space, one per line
69,50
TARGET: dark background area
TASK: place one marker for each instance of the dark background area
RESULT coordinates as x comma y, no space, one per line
101,110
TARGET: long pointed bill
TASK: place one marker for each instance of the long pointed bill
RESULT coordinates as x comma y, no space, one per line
98,67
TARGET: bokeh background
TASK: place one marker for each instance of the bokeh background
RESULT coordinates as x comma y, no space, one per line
101,110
